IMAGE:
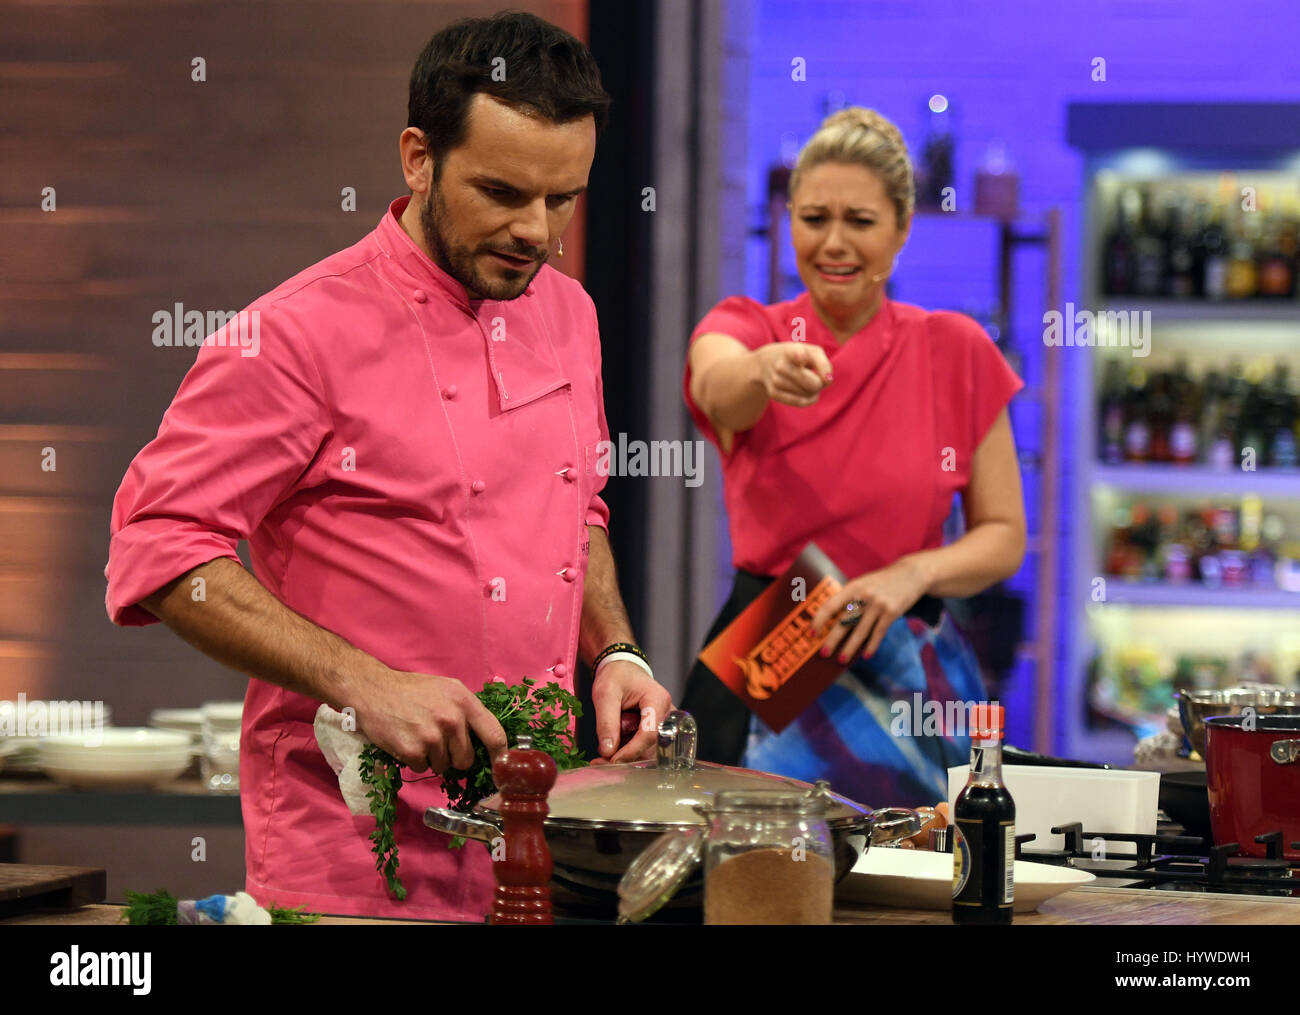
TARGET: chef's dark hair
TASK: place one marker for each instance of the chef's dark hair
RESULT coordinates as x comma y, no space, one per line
545,68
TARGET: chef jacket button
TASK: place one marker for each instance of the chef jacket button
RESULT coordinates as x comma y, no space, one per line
569,473
561,670
569,574
478,486
450,391
419,296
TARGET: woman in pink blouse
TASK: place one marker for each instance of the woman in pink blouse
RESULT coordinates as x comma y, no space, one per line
849,420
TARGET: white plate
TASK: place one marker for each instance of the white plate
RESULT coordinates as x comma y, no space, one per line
90,776
922,879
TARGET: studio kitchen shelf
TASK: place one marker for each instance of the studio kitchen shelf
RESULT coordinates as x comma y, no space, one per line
1122,593
1144,147
1194,480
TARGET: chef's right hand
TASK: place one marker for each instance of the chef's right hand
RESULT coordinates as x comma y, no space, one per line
424,721
793,373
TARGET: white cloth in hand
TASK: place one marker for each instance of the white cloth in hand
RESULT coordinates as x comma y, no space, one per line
342,749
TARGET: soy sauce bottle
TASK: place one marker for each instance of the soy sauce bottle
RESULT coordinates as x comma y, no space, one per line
983,886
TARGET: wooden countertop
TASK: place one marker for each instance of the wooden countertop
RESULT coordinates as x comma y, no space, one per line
1081,907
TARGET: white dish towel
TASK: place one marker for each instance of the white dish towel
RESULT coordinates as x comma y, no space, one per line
342,749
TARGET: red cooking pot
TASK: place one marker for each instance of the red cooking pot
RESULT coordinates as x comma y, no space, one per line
1254,780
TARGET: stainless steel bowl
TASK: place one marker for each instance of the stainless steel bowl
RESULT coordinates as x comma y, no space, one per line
1194,707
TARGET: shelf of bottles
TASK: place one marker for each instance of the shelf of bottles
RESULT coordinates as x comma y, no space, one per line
1188,566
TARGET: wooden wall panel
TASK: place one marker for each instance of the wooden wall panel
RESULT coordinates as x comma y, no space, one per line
208,193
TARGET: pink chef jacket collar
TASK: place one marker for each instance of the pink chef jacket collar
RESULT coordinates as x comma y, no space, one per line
398,246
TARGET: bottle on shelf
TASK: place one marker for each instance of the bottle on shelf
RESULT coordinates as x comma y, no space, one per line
1184,440
1137,426
1182,281
1276,268
1283,451
1213,243
1254,424
1148,251
1161,416
1242,279
1118,268
1110,441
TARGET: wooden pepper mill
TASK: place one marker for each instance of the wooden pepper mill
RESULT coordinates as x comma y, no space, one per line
522,863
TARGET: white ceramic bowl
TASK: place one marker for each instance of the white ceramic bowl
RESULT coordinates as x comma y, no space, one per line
125,739
27,757
184,720
89,776
224,714
111,758
126,758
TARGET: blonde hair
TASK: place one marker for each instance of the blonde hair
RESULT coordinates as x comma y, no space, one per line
862,137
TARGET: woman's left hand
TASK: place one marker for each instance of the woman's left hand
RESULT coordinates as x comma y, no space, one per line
885,596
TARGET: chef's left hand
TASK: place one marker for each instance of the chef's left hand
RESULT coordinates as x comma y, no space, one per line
622,685
885,596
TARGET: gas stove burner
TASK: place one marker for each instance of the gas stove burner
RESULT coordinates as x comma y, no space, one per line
1167,862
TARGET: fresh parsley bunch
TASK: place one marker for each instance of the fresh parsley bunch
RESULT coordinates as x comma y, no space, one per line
545,713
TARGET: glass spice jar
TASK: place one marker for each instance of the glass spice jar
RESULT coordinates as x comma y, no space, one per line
769,859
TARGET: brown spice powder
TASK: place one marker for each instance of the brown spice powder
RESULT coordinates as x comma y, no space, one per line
768,886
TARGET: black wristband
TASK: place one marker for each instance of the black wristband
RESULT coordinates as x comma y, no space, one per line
619,646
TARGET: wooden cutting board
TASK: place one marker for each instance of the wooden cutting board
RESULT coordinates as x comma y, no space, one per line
24,887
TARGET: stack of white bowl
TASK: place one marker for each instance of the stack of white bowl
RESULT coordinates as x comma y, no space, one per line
123,758
182,720
179,720
58,717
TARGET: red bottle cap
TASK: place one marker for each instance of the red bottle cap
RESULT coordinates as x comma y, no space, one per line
987,722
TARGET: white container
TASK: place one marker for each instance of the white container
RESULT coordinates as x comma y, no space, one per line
1104,800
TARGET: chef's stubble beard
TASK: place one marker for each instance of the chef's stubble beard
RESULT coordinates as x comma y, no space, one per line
458,262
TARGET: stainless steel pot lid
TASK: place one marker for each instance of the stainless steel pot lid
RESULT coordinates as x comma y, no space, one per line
661,794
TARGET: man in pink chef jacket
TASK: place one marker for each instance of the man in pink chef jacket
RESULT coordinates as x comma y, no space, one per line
409,448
